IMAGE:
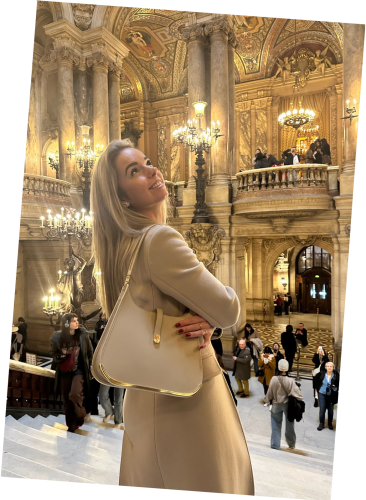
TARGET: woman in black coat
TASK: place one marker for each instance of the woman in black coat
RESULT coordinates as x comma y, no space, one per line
100,326
72,354
320,359
289,344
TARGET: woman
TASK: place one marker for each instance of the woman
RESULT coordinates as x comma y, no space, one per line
266,363
101,324
320,358
325,147
280,388
327,386
254,159
278,303
72,354
195,443
289,344
277,354
309,157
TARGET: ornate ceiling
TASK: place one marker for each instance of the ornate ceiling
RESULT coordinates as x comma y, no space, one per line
156,67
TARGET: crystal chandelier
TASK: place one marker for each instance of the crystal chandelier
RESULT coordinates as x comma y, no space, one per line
296,118
61,227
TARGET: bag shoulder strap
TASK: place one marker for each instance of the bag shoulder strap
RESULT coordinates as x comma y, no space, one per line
279,378
134,256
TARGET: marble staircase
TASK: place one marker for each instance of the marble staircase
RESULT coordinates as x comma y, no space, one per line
41,448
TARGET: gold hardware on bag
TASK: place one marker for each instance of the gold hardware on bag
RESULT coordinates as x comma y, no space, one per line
156,338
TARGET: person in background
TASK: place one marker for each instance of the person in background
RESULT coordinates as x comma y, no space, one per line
277,354
279,390
254,159
266,364
291,156
105,401
288,302
288,342
325,148
278,303
100,326
226,376
272,160
318,156
253,342
309,157
72,354
241,370
22,329
320,358
302,335
327,386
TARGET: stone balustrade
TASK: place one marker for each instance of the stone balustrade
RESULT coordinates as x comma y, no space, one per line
314,178
175,191
47,187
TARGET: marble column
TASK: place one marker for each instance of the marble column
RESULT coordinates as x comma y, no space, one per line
232,114
114,105
275,112
353,54
269,125
100,64
208,100
220,106
66,115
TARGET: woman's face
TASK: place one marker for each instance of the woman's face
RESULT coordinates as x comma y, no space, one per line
142,184
103,317
329,367
74,324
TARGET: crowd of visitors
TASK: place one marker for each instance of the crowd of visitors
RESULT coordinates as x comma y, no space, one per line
281,393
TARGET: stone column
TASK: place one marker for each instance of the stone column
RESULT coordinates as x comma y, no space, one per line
275,112
353,35
208,100
237,139
252,129
232,115
66,57
114,104
269,125
100,63
219,30
162,123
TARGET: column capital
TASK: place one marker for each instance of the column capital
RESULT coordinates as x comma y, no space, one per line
64,51
99,59
162,121
193,33
221,24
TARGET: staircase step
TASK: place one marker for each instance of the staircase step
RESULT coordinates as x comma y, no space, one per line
92,426
7,473
66,461
33,470
53,435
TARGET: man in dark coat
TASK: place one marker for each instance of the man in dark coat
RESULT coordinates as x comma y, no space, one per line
288,342
241,370
271,160
302,335
289,155
22,329
287,302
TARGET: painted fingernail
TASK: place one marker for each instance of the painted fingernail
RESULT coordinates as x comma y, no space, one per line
181,330
177,324
188,334
202,346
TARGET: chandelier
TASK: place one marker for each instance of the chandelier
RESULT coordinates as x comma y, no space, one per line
194,136
296,118
61,226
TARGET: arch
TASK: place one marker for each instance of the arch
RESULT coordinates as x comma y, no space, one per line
50,146
98,16
271,257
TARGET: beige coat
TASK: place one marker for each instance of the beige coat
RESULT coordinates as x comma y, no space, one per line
194,443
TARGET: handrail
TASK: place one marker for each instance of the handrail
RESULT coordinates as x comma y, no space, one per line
32,369
286,167
46,178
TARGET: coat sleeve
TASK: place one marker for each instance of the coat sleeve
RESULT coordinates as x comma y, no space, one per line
176,271
56,353
260,362
270,393
295,391
272,363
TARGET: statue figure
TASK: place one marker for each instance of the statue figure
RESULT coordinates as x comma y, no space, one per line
70,284
205,241
132,133
284,69
321,61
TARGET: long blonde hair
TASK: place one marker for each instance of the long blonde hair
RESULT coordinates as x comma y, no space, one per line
116,229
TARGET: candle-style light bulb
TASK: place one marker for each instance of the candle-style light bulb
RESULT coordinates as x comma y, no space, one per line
354,101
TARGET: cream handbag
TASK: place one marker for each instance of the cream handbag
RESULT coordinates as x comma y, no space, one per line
143,350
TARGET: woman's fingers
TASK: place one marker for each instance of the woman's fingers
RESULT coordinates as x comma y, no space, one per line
202,325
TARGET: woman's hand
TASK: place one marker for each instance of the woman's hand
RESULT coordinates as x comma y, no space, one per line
234,358
196,327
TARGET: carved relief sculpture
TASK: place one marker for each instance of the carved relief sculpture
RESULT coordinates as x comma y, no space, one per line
131,132
321,61
205,241
284,69
83,14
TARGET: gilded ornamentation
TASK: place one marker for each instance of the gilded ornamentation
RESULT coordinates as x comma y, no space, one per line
175,122
43,5
83,14
131,132
219,24
333,128
205,241
64,50
162,146
347,229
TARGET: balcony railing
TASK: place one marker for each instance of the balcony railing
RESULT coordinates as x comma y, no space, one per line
285,179
41,186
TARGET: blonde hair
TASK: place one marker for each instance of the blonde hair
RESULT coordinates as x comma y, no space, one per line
116,229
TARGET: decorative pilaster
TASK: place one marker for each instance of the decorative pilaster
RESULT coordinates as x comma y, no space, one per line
100,62
269,124
333,125
114,102
162,146
232,115
176,149
64,52
353,35
245,134
275,112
